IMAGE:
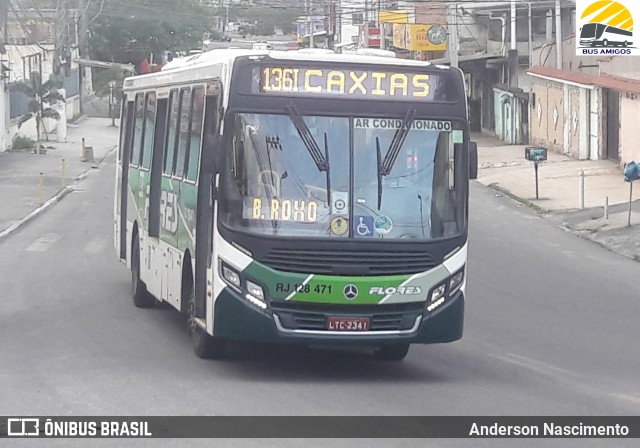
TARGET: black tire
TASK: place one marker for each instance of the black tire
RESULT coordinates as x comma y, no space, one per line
396,352
141,297
605,43
205,346
625,44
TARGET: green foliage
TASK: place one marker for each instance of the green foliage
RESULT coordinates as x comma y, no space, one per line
102,79
128,30
40,94
23,142
265,29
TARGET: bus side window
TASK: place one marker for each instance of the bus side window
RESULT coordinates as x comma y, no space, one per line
172,134
183,142
149,127
197,111
137,130
123,126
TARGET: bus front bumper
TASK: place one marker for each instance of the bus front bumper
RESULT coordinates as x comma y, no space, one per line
235,318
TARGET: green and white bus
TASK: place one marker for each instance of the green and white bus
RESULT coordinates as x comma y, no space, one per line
302,197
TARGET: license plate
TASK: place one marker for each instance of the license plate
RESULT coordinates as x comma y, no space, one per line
348,324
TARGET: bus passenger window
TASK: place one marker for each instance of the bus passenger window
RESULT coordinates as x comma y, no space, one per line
172,134
149,127
183,141
193,156
137,136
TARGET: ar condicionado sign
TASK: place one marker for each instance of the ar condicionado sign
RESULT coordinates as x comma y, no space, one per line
359,83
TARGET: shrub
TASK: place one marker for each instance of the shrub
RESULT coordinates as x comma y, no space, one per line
265,29
23,142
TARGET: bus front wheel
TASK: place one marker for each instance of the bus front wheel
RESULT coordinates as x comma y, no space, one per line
396,352
141,297
605,43
205,346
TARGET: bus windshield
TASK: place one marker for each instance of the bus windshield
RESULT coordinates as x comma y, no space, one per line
592,31
323,181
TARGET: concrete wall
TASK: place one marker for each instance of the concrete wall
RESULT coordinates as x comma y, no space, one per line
547,115
28,129
567,118
629,128
573,120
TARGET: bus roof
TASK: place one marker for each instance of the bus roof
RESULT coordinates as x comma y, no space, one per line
222,59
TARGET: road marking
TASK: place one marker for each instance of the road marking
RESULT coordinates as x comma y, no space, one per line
43,243
568,378
635,399
529,363
96,246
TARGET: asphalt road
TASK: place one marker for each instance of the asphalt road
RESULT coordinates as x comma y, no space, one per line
551,329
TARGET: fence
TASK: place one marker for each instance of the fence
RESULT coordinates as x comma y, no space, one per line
19,102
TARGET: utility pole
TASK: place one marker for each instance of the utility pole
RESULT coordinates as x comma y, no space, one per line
453,35
61,51
4,10
311,44
513,25
530,37
558,36
61,42
86,81
366,24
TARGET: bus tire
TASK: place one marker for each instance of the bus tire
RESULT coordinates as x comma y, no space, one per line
205,346
141,297
626,44
605,43
395,352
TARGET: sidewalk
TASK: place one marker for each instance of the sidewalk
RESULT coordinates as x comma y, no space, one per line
505,168
20,171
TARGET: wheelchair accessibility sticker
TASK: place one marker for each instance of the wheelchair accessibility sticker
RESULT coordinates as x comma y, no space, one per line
363,226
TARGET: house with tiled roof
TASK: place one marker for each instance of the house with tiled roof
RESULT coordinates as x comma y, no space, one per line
588,108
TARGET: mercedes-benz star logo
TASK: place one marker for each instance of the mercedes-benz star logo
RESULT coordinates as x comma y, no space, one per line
350,292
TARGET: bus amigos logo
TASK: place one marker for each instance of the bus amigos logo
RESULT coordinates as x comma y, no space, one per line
605,27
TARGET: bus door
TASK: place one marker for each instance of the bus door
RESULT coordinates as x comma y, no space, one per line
154,250
205,206
122,177
169,192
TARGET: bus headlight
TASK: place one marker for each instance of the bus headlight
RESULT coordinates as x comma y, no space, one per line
455,283
444,291
231,276
438,292
255,290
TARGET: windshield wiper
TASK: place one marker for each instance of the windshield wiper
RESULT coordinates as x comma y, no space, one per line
321,160
385,166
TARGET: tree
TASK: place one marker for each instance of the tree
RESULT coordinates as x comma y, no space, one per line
39,95
108,83
128,30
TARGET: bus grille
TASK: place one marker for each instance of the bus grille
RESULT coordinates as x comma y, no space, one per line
334,262
387,318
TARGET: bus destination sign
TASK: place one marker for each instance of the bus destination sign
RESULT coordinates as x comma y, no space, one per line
324,82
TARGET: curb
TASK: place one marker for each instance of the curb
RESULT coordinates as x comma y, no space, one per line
47,205
523,201
53,200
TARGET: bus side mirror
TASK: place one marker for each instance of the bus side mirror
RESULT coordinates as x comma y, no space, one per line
473,160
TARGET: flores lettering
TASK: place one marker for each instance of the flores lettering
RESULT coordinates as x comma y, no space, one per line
404,290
